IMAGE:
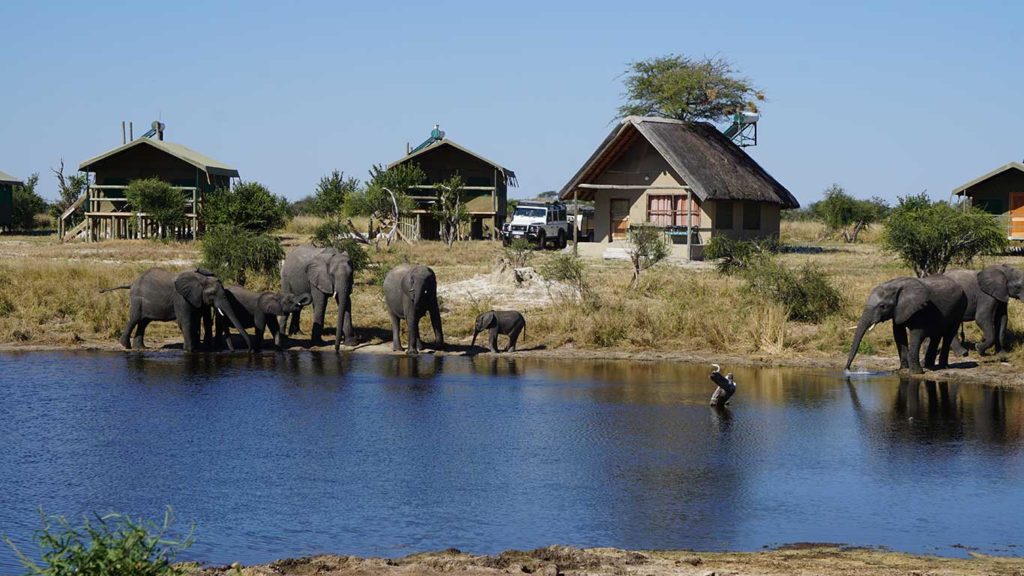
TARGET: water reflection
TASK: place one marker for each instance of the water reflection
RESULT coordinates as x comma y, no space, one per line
281,454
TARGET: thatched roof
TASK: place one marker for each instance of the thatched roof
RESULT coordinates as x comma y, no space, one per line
962,189
6,178
713,166
204,163
508,175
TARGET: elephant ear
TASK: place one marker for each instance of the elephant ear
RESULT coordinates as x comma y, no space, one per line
492,319
190,286
320,277
912,297
992,281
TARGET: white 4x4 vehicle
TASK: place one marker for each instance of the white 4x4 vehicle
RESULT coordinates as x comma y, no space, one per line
538,222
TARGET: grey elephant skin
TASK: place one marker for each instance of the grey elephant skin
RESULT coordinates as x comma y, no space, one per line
988,293
186,298
259,311
508,322
930,307
321,273
410,293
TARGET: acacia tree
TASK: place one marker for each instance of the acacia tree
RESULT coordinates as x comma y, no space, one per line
331,192
161,202
687,89
646,246
450,209
848,216
26,203
69,189
929,236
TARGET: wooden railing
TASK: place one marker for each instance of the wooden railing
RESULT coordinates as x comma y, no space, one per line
108,217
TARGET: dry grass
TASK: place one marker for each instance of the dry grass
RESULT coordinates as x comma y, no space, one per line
49,295
804,232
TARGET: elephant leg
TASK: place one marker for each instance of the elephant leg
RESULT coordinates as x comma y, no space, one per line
275,331
139,342
208,327
947,341
435,322
134,315
319,310
899,335
492,341
987,319
257,331
1001,316
396,332
412,322
931,351
513,337
346,321
958,347
914,351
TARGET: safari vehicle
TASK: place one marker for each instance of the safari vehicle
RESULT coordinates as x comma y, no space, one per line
540,223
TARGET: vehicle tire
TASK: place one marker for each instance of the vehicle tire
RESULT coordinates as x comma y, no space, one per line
561,240
541,240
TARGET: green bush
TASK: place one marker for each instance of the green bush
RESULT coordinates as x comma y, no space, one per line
26,204
929,236
735,255
335,234
807,293
248,205
519,252
233,253
331,192
112,544
568,268
847,216
160,201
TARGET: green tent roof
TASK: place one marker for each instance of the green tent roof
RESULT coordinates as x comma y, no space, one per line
6,178
204,163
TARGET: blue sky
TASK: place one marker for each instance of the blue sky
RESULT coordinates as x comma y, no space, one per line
886,98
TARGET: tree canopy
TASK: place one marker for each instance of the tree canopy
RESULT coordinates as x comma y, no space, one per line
845,215
248,205
161,202
687,89
331,191
26,204
930,236
450,208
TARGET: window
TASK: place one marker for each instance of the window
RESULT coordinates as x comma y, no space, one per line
664,210
723,215
751,215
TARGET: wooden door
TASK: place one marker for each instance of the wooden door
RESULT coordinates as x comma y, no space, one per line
1016,214
619,218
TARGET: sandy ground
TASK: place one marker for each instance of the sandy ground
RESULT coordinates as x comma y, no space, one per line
561,560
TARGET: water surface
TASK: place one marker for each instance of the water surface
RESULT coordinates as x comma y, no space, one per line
297,453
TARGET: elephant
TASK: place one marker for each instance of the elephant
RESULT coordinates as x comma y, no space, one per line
186,297
411,292
507,322
930,307
320,272
988,292
259,310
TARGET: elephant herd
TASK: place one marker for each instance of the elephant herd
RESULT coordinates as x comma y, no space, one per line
934,308
309,276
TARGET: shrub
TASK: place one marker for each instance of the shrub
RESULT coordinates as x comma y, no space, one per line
518,252
929,236
646,246
450,208
335,234
26,204
568,268
233,253
248,205
847,216
331,192
160,201
112,544
807,293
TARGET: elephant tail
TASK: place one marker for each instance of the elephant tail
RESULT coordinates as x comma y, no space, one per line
124,287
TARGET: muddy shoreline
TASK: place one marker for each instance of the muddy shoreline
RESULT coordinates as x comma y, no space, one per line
988,370
804,559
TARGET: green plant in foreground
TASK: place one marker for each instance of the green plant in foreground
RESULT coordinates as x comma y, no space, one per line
807,293
645,246
233,253
519,252
111,544
162,203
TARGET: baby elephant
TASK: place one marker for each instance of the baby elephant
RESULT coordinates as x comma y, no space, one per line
259,310
507,322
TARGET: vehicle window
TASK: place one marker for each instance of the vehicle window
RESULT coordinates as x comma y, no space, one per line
528,212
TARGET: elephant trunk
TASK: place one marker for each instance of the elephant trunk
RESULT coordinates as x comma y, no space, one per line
866,323
340,325
225,308
475,332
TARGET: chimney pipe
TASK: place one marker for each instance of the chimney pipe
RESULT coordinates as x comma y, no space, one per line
160,131
123,141
131,132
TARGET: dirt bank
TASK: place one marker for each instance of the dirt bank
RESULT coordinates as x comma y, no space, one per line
561,560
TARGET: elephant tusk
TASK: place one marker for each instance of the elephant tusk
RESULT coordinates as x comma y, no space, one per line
219,311
335,295
872,327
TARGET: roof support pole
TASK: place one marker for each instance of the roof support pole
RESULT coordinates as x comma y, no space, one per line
576,222
689,224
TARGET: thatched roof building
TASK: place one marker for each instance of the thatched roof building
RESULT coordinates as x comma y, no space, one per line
685,177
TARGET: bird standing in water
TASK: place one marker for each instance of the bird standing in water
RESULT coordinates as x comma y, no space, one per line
726,387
